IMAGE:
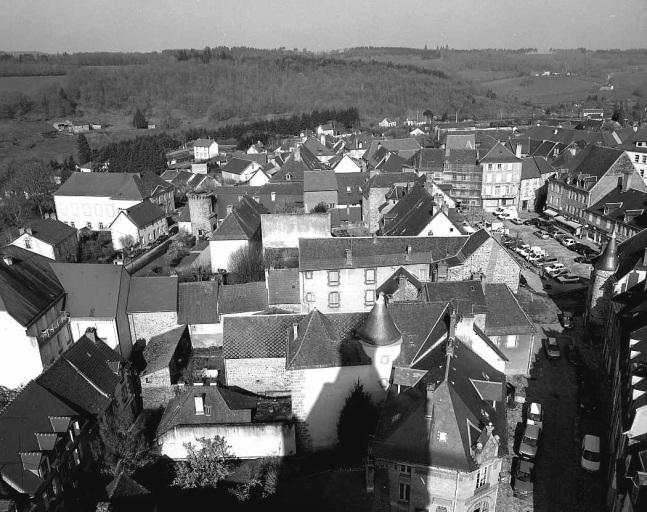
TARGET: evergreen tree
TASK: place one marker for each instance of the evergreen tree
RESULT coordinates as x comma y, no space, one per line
357,422
139,121
83,149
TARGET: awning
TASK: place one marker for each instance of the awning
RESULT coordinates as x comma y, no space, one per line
551,213
572,224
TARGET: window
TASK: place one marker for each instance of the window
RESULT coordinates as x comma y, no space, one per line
369,297
499,167
88,225
27,243
644,159
273,196
488,178
309,274
498,178
310,297
348,190
150,236
333,299
440,508
149,380
489,167
288,176
86,210
497,190
101,226
405,492
511,341
404,469
333,278
481,477
637,158
369,276
424,274
98,210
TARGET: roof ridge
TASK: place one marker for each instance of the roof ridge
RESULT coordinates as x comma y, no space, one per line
77,370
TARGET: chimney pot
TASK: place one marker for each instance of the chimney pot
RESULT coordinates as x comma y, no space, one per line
8,259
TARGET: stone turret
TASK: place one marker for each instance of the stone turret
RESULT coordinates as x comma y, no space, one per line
381,340
599,296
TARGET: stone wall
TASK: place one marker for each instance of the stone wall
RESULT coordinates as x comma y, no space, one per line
147,325
257,375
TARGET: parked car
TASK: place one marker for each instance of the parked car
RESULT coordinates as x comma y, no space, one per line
173,229
547,261
522,249
584,259
573,355
541,234
162,238
568,278
560,236
567,242
567,319
556,273
532,222
517,221
579,248
587,399
529,442
524,478
551,347
591,453
535,415
554,266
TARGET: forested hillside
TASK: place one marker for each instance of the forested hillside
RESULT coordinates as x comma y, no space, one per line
219,84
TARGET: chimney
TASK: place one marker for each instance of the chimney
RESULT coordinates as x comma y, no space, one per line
429,413
297,155
8,259
198,400
626,181
645,259
91,334
408,254
28,231
434,209
445,208
349,257
402,282
518,151
453,318
323,139
295,330
375,238
555,131
21,231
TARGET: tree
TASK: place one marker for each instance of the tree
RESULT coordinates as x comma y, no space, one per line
247,264
428,114
139,121
83,149
320,208
204,467
127,242
357,421
122,446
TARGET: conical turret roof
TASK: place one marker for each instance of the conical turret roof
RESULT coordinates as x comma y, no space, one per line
379,329
609,259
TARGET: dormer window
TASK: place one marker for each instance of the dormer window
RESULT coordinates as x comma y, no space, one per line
288,176
442,436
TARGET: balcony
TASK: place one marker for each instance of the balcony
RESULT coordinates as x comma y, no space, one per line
483,488
54,328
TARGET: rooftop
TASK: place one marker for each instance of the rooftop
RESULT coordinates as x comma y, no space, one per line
50,231
152,295
198,303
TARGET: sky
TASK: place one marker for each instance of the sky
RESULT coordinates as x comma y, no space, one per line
56,26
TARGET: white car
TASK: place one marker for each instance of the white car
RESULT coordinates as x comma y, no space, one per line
554,267
516,221
591,453
567,242
556,273
535,415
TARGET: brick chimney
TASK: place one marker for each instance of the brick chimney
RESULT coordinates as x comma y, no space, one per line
518,151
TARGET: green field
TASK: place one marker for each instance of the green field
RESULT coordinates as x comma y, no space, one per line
545,90
29,84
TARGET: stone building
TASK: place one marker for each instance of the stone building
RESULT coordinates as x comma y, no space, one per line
601,286
374,191
202,212
152,306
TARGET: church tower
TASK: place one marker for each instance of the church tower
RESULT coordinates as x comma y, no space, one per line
381,340
601,286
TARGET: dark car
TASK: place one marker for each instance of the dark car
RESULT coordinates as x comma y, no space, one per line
162,238
532,222
584,259
587,399
567,320
524,478
551,347
173,229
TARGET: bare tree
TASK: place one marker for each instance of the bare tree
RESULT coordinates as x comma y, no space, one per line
247,264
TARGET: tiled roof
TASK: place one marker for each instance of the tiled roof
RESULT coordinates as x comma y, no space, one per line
92,290
428,159
152,295
231,196
242,223
391,284
460,141
236,166
83,377
535,167
319,181
330,253
467,297
125,186
262,336
325,341
411,214
198,303
27,415
50,231
259,158
292,167
202,143
404,147
630,253
243,298
317,148
628,207
185,214
160,349
462,157
595,160
144,214
29,286
505,316
283,286
353,180
499,153
405,433
388,180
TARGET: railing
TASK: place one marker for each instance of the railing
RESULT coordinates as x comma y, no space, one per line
54,327
482,488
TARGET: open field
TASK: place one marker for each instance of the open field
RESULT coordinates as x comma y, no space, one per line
29,84
546,90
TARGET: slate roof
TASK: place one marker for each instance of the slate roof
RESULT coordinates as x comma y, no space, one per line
295,168
428,159
259,158
243,298
144,214
505,316
460,141
122,486
628,207
563,135
231,195
152,295
330,253
83,377
325,341
467,297
319,181
317,148
92,290
630,253
283,286
411,420
198,303
388,180
50,231
498,154
406,148
535,167
411,214
29,286
24,417
595,160
391,283
356,181
262,336
236,166
185,214
242,223
203,143
126,186
160,349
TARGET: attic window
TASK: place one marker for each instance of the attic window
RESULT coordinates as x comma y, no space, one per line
288,176
442,436
485,414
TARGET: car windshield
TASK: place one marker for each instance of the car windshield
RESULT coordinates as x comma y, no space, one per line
534,416
591,456
529,441
524,477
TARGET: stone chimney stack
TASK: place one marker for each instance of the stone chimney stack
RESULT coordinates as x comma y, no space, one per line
626,181
297,154
295,330
91,334
518,151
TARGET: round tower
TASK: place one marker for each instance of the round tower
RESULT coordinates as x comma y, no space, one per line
381,340
600,288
